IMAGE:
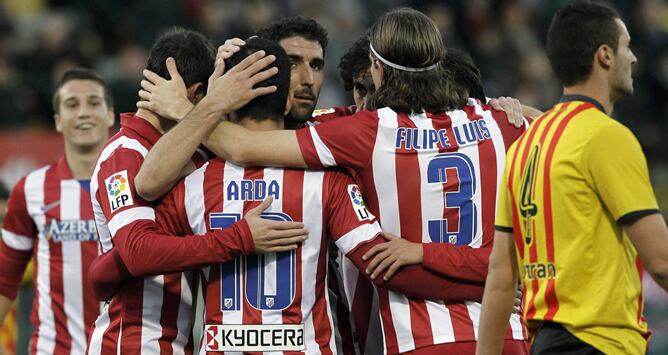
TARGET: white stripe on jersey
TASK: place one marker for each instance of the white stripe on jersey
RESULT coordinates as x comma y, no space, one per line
123,218
233,173
352,239
151,329
34,191
72,263
101,325
184,320
16,241
326,156
312,216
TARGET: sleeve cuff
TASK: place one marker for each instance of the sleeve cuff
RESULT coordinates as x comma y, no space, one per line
632,216
247,244
503,229
307,147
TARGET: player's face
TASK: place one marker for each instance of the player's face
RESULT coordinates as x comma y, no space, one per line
621,81
306,77
362,88
83,116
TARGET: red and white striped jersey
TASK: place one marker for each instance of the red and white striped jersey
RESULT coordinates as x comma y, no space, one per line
429,178
270,302
49,217
361,298
152,315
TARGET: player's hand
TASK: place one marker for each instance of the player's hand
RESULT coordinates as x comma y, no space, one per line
225,51
273,236
392,255
511,106
230,91
167,98
517,306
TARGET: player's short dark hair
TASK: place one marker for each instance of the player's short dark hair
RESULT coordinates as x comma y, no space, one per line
193,52
80,73
270,106
464,74
355,61
293,26
576,32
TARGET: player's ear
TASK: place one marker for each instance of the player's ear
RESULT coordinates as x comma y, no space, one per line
604,56
57,121
288,105
195,92
111,117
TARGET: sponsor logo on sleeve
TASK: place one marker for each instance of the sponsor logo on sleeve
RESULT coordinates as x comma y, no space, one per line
255,337
355,195
118,190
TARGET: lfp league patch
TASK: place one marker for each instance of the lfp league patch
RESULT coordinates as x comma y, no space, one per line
118,189
355,195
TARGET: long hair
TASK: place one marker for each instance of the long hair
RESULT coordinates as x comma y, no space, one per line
409,38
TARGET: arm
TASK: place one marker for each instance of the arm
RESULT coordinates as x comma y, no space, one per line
650,237
226,93
236,143
416,281
497,303
16,246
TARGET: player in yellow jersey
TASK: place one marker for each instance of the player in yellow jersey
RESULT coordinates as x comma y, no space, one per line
577,217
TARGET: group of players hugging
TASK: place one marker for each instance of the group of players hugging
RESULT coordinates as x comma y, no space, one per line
350,230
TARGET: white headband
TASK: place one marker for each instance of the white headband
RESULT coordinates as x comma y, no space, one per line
400,67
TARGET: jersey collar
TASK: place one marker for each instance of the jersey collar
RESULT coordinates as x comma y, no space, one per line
584,98
143,128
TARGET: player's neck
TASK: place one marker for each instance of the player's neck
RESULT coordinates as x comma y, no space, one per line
264,125
81,161
161,124
596,88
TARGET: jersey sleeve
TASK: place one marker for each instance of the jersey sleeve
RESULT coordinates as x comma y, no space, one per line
355,231
16,246
504,206
346,141
616,167
116,191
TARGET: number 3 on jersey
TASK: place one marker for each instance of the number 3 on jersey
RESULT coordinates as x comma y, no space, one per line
270,279
456,173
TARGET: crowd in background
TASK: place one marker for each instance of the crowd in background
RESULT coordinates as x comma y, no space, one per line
39,39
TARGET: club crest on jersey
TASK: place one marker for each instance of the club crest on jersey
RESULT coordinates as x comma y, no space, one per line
228,303
118,190
70,230
355,195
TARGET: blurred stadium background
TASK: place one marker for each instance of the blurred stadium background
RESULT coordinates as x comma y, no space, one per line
39,39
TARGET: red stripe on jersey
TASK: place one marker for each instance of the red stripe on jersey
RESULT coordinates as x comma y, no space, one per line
550,293
171,300
408,189
488,178
321,320
131,316
295,179
461,321
251,315
52,195
307,147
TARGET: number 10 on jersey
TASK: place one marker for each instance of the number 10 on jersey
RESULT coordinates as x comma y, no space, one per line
269,279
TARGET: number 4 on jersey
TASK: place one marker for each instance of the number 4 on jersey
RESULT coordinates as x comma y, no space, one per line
528,208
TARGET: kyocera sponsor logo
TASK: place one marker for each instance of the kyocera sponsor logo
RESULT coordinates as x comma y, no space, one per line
255,337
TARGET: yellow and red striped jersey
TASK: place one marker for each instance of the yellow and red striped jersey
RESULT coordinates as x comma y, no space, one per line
569,184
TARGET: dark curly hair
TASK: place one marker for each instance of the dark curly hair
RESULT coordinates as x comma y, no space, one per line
295,26
355,61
